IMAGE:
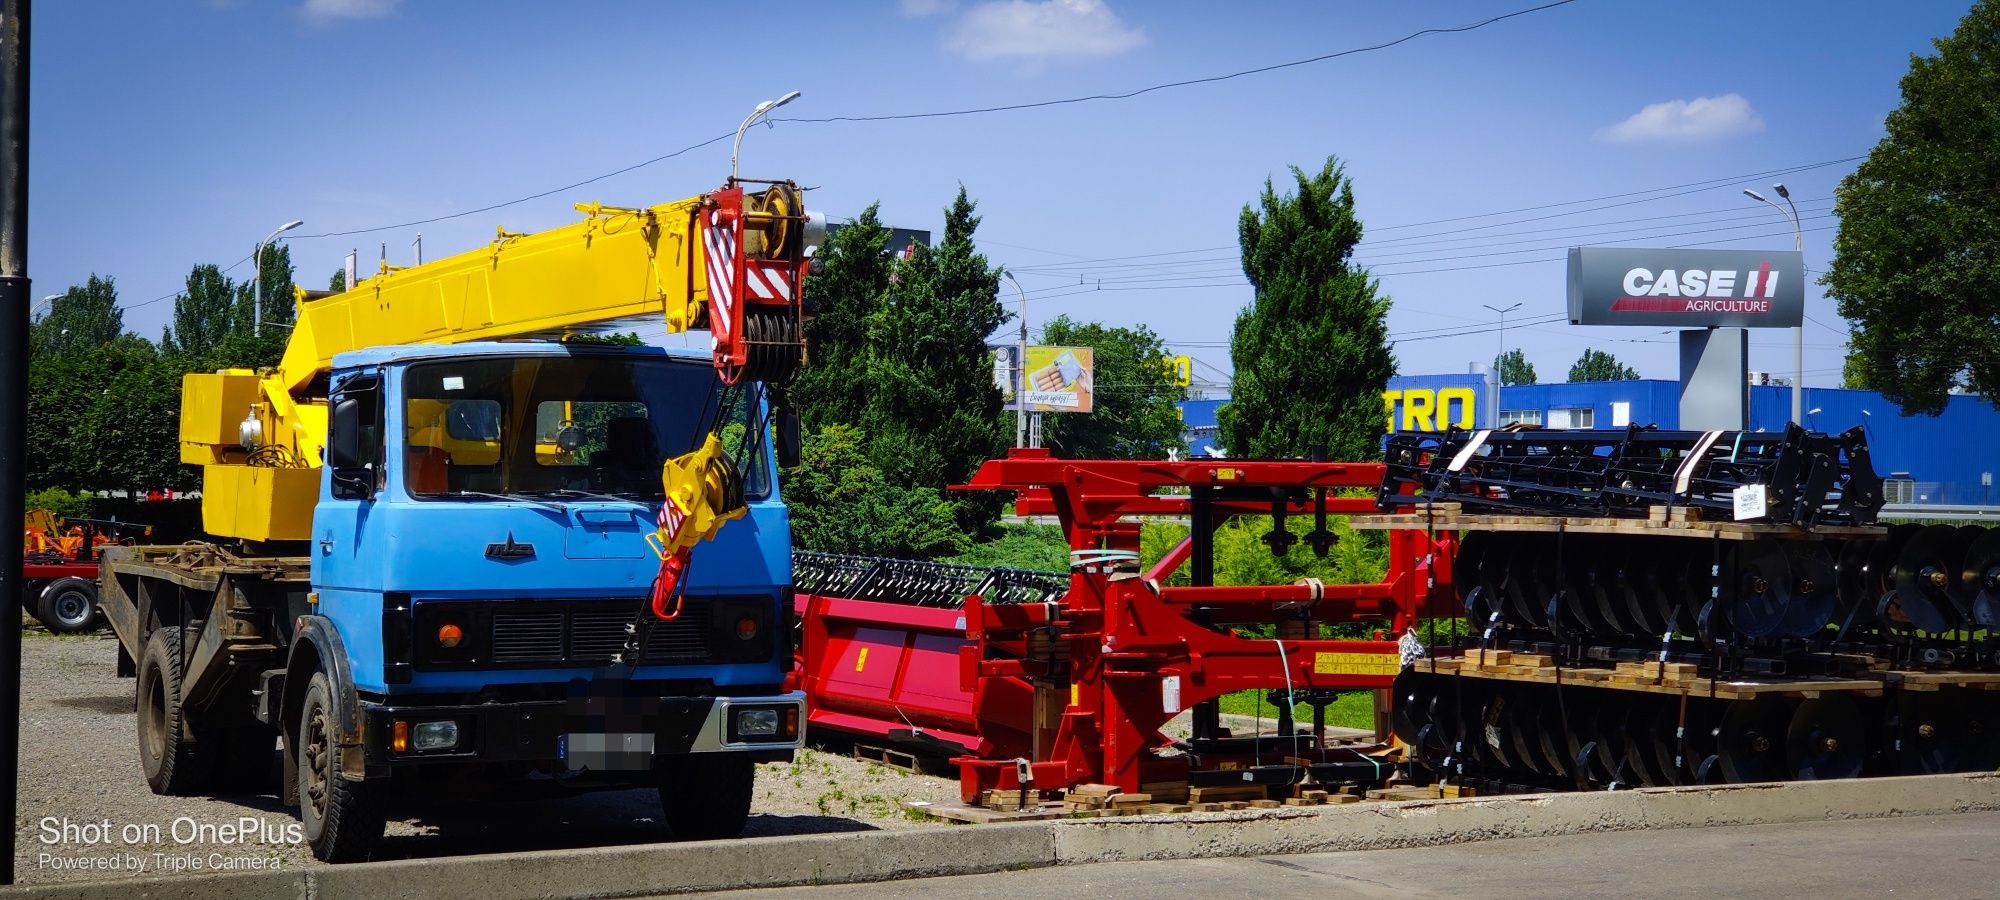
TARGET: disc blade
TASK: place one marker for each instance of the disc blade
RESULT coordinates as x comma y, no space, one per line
1924,577
1981,577
1750,739
1826,739
1763,589
1815,594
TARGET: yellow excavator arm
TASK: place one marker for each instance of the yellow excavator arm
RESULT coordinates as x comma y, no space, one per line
730,261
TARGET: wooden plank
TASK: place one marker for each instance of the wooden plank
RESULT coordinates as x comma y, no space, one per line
1266,804
1228,792
1726,689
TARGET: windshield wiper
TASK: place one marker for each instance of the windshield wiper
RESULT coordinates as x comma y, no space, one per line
588,495
517,498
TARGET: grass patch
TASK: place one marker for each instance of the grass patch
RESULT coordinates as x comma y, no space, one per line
1354,709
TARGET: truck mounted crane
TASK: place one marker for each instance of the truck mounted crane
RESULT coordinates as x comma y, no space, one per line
455,548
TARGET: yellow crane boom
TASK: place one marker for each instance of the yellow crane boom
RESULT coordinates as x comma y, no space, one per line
730,261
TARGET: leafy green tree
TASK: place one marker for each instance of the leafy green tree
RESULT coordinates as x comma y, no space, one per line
204,313
1514,368
842,503
932,413
1597,365
1918,250
1133,416
82,318
1854,373
1042,548
338,282
1311,350
853,278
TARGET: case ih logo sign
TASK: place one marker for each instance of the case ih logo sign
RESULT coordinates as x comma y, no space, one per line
1685,288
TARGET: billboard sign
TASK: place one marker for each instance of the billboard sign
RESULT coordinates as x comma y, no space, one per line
1059,378
1686,288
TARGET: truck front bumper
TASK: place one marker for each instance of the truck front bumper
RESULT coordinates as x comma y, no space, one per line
592,730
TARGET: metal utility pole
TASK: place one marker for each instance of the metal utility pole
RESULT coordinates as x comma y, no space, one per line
257,279
1499,379
14,311
1021,370
1798,331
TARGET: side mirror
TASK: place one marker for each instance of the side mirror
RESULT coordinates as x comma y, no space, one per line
790,447
354,433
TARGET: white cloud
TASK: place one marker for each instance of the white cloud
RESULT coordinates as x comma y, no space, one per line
1043,29
918,9
334,10
1687,121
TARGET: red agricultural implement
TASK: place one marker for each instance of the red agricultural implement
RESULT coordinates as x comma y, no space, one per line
1051,689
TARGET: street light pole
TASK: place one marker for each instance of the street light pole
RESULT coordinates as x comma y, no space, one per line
755,114
1020,369
1798,331
1497,379
257,277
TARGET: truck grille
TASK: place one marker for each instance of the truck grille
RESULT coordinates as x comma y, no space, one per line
592,632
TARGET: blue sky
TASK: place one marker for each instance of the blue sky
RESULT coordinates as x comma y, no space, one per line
173,133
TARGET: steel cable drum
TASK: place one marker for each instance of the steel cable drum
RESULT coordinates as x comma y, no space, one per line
1826,739
1763,590
1750,739
1815,593
1925,575
1981,578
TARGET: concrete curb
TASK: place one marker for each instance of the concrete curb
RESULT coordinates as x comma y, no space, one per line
963,850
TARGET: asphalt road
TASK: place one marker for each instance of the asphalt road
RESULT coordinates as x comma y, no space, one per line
1929,856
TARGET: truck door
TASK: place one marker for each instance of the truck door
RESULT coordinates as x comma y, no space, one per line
355,480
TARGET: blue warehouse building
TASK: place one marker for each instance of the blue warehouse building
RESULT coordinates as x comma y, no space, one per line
1950,458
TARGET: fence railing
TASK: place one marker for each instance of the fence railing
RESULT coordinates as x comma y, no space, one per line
1940,512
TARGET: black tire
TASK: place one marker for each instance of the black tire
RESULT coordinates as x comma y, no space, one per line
68,606
706,796
178,755
343,819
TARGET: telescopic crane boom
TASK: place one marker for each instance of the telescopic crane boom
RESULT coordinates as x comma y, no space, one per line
730,261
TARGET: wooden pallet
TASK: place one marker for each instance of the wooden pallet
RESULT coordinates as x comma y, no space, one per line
1675,521
1645,677
1931,681
895,759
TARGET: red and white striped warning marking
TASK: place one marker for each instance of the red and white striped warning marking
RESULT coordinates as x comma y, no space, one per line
720,240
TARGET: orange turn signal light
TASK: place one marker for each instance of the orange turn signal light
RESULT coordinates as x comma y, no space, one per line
746,628
449,635
791,721
399,737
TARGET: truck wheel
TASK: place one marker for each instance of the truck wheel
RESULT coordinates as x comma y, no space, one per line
68,606
707,795
179,757
343,819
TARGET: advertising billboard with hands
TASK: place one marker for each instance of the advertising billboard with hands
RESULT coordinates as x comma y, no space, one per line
1059,378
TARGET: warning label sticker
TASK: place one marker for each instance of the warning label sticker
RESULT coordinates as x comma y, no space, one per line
1386,664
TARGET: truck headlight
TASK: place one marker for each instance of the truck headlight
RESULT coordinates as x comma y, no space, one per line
756,722
435,736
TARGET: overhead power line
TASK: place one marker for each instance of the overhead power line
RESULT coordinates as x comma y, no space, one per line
964,112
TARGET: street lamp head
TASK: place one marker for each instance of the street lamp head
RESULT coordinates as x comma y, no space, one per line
1780,188
1814,411
1754,195
781,101
291,225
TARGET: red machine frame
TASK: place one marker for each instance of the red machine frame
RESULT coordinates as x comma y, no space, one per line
1118,656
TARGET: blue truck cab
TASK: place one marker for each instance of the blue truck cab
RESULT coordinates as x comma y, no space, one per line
473,612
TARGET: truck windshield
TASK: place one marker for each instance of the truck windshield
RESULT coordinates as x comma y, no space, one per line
568,428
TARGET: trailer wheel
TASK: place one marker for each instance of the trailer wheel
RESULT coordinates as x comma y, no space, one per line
179,757
706,796
343,819
68,606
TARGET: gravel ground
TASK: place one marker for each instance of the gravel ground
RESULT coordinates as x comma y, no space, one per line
79,766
